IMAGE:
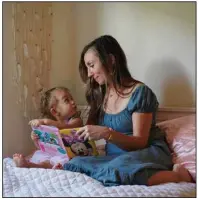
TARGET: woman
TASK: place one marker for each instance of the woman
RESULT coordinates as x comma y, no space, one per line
123,112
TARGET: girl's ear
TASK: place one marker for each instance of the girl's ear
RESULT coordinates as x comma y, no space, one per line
53,112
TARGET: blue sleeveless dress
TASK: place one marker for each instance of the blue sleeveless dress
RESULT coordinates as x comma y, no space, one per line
121,167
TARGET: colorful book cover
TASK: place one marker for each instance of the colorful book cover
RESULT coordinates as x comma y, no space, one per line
65,141
76,146
50,140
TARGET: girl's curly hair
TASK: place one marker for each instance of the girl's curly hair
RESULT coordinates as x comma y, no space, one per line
47,100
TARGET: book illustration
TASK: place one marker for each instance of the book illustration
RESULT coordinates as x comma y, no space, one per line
47,137
76,146
65,141
49,140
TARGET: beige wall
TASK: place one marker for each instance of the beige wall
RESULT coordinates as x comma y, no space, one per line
26,64
16,132
60,72
158,39
63,46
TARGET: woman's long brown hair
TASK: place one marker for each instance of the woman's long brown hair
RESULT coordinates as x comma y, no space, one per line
105,46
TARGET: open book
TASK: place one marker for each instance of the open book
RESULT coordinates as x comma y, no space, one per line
65,141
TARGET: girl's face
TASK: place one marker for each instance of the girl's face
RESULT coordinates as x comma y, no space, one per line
65,106
94,67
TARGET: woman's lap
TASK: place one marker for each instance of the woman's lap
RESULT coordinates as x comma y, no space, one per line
130,168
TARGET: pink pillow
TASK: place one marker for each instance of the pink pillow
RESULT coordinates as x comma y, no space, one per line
181,137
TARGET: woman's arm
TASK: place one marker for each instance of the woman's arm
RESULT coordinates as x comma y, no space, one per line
141,128
139,139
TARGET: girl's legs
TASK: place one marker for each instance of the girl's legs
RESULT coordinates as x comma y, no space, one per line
58,166
179,174
20,161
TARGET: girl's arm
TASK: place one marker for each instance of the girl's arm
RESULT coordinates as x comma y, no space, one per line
73,123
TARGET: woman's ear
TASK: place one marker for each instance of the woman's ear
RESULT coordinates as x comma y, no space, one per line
112,59
112,63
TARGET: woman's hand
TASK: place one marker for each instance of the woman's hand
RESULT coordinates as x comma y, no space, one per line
93,132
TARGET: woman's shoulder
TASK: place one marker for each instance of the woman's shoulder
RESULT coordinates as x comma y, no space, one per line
142,89
133,90
143,99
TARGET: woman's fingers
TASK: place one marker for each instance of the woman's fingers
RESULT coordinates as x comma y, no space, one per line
83,133
80,131
86,136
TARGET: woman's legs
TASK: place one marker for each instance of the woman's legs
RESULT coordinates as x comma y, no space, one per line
20,161
179,174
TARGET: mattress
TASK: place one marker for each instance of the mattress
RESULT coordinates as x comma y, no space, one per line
34,182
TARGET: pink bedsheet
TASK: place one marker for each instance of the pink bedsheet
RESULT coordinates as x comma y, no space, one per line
181,136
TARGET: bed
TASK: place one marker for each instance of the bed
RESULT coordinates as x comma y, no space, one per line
179,124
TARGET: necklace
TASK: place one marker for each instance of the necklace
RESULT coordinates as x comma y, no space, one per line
111,95
111,92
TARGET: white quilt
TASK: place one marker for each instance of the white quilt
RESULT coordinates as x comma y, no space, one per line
22,182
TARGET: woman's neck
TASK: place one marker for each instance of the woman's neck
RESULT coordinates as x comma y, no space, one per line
111,86
114,89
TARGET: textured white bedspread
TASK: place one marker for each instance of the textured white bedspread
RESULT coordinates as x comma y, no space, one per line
22,182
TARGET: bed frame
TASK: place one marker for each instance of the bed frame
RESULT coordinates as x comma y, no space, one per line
168,113
164,113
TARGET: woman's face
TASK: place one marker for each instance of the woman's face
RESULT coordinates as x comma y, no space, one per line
94,67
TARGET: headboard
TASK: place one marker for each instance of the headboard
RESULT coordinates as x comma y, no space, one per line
164,113
168,113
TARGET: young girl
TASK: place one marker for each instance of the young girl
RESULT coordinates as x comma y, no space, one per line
57,109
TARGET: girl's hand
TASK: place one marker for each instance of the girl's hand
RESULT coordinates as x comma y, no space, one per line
34,136
93,132
36,122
